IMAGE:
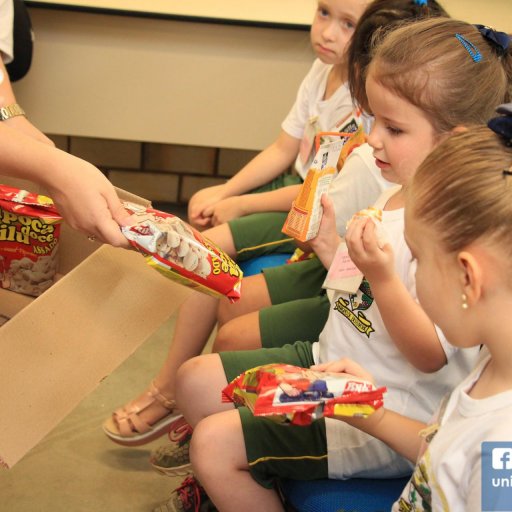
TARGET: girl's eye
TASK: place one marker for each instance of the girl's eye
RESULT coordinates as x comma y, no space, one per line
323,13
350,25
393,130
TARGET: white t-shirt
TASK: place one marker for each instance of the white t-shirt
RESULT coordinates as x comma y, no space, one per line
355,329
448,474
357,186
6,27
311,114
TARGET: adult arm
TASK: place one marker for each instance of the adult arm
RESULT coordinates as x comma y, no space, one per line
82,194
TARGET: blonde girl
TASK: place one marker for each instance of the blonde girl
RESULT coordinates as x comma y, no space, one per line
459,229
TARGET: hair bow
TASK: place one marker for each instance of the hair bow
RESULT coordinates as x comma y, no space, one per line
500,40
502,125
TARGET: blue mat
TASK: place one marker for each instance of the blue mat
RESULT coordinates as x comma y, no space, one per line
353,495
256,265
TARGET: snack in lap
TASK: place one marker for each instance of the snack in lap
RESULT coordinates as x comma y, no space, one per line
181,253
290,394
29,236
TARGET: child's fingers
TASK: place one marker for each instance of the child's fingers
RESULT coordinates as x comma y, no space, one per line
344,365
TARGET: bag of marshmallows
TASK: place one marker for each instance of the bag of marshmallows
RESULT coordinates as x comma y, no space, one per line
29,237
181,253
293,395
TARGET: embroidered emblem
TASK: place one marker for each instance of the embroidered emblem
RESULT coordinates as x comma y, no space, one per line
353,308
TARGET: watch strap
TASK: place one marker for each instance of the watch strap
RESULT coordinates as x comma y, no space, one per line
11,111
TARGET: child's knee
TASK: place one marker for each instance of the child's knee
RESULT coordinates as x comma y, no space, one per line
226,339
189,380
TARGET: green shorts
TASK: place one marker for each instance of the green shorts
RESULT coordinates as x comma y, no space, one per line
290,321
300,280
260,233
300,306
273,450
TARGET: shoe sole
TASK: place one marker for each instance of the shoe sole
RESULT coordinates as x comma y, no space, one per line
158,430
184,470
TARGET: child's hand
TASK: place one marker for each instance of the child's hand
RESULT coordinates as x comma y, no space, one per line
327,240
375,262
344,365
227,209
200,206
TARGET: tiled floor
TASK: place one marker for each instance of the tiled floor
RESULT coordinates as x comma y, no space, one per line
77,469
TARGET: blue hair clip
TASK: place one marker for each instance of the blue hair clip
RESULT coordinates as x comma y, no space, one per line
473,51
502,125
420,2
499,40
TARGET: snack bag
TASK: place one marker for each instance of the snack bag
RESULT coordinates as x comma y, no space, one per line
289,394
304,218
343,275
181,253
29,236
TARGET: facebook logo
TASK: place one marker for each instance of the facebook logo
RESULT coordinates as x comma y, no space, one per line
502,458
497,476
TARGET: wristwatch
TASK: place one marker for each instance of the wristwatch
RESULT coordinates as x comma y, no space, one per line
11,111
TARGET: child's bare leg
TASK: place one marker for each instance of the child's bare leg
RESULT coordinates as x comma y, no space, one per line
255,295
221,466
196,319
242,333
199,384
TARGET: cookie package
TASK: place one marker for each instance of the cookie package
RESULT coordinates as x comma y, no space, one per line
181,253
30,228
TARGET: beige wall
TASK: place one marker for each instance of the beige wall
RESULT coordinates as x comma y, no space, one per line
130,78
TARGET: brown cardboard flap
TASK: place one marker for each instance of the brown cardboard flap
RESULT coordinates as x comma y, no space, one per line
58,348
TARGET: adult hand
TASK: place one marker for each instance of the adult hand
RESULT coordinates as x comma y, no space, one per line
89,203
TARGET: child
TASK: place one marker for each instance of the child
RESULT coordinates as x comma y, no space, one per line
458,226
323,103
411,82
323,97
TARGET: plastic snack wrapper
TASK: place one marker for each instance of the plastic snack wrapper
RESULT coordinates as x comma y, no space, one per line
292,395
181,253
303,220
29,237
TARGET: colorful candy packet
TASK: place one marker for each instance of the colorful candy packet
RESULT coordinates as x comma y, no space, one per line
29,237
181,253
292,395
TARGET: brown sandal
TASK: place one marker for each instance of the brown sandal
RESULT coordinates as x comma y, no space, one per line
125,426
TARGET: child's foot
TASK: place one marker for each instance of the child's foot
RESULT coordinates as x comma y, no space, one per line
173,459
142,420
188,497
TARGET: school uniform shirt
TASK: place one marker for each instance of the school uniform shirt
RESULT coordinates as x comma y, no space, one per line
6,28
355,329
311,114
357,186
448,474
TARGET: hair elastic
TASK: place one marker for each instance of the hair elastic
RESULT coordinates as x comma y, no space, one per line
473,51
502,125
500,41
420,2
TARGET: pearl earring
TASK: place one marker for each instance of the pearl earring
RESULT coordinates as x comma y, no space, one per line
464,301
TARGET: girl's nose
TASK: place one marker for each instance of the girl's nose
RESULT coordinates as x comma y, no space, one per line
373,138
330,32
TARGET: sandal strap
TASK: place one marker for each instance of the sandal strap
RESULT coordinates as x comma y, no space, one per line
155,392
127,417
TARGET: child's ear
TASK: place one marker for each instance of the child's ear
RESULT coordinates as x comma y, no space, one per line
470,276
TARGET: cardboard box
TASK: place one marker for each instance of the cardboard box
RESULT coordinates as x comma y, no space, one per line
56,348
